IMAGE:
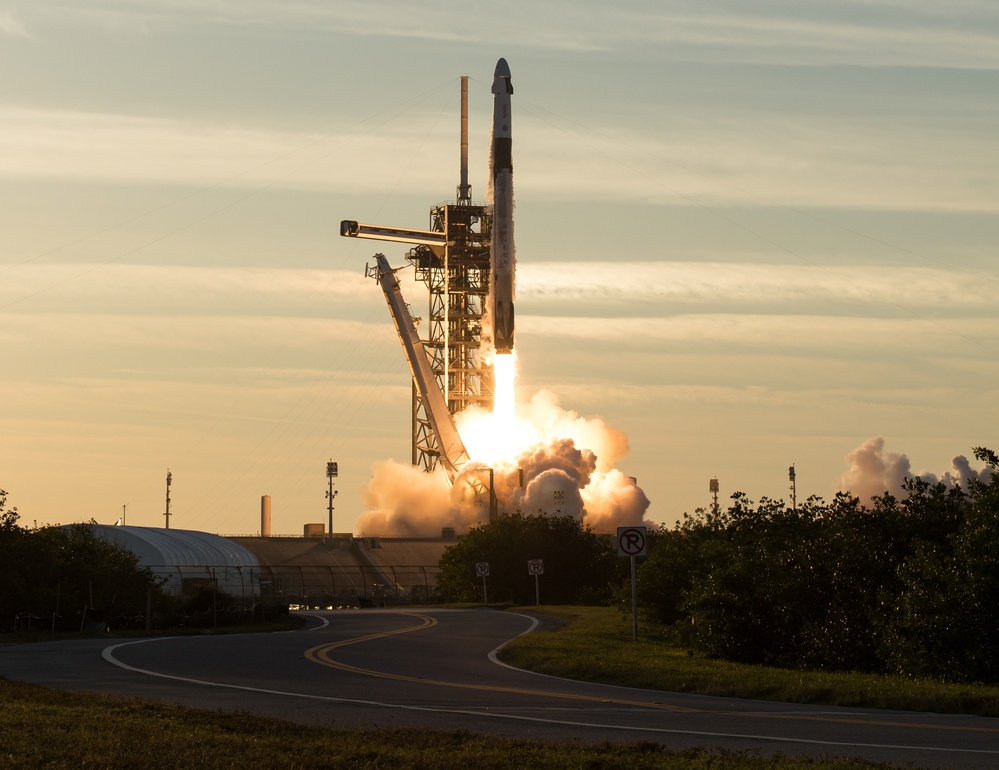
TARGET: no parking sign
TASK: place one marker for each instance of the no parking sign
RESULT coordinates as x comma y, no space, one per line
482,571
632,541
536,567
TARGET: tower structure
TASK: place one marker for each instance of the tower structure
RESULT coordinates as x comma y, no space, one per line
452,259
457,280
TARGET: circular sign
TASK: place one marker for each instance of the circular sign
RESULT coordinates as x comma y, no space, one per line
536,567
632,541
482,569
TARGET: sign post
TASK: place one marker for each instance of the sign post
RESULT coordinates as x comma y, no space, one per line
633,542
482,570
536,567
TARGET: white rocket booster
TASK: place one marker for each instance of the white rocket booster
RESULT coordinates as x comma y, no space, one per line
502,256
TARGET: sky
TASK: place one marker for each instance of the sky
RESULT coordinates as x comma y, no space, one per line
748,236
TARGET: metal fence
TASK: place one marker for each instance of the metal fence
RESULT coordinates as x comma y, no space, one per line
337,586
309,585
249,593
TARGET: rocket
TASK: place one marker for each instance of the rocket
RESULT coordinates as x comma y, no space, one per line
502,256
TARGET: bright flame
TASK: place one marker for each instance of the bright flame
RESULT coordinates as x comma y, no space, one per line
498,437
504,373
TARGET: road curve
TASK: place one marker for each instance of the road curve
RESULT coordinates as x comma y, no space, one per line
437,669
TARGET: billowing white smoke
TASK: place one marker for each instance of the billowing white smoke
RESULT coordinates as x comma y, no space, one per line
403,501
873,471
963,473
566,462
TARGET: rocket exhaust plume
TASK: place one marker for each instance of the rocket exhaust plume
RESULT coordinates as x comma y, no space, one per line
546,460
502,256
874,471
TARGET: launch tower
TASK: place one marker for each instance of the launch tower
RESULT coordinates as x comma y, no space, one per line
453,259
457,279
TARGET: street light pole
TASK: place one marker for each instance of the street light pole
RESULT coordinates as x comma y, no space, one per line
331,473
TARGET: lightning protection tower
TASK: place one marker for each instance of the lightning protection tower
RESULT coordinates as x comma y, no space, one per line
452,259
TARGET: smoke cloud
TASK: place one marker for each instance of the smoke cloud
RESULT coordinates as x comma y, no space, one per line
566,467
874,471
403,501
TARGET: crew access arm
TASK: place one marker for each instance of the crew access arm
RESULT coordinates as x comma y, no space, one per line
453,455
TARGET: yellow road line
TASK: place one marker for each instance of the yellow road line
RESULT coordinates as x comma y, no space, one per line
321,654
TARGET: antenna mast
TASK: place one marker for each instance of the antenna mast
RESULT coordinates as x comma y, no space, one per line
167,514
464,189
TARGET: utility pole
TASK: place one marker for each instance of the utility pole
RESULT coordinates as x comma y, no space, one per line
493,503
794,491
331,473
169,482
713,489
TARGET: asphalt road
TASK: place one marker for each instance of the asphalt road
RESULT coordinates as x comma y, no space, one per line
436,669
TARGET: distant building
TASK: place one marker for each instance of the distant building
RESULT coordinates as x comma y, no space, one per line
185,558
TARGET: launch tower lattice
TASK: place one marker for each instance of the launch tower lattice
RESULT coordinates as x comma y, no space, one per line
457,279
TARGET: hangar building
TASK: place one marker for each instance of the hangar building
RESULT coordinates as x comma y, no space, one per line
187,558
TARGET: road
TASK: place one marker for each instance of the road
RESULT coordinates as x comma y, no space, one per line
437,669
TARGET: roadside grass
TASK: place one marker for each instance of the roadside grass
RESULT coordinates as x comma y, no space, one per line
595,644
40,727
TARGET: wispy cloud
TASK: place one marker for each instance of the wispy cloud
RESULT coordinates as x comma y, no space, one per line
80,145
84,146
886,33
667,286
168,291
43,342
822,335
738,156
722,159
820,37
11,25
642,288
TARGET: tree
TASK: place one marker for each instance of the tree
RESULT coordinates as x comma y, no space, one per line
578,564
944,620
8,518
909,585
50,572
12,560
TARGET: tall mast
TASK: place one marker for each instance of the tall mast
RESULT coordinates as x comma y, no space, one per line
464,190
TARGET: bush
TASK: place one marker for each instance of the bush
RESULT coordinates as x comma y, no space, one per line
908,586
578,564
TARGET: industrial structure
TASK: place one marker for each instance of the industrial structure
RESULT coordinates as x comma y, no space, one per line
303,571
455,259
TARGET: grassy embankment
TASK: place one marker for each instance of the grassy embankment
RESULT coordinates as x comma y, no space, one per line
54,729
596,644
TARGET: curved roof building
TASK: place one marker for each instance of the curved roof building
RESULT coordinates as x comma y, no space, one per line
184,557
